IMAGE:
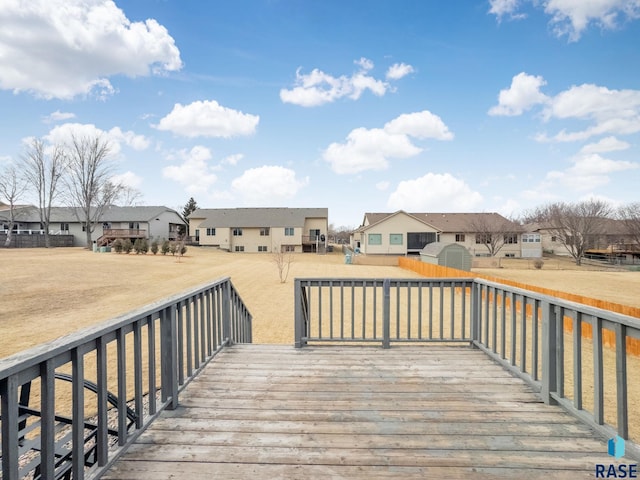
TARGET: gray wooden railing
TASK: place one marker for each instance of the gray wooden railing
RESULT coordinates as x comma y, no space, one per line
540,338
384,311
140,361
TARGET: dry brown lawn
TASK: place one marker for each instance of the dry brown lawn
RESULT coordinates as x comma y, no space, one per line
45,294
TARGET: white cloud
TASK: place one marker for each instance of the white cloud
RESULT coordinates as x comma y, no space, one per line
58,116
382,186
268,184
608,144
232,159
371,149
128,178
64,48
589,171
610,111
433,192
523,94
194,172
419,125
208,119
62,134
399,70
318,87
573,17
505,8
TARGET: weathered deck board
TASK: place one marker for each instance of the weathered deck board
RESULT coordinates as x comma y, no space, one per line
360,412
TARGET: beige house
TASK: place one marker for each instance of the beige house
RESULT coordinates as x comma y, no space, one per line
261,229
402,233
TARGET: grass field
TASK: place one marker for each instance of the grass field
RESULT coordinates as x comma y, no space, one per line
45,294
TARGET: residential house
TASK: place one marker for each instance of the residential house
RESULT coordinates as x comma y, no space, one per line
261,229
612,242
402,233
115,222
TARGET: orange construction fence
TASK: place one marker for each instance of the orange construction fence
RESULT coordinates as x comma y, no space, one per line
608,336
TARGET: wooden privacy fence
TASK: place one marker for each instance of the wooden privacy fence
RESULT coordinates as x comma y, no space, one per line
633,346
142,361
532,341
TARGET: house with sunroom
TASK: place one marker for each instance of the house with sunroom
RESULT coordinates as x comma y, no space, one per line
261,229
403,233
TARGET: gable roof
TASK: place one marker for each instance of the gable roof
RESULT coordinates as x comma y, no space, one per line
110,214
256,217
446,222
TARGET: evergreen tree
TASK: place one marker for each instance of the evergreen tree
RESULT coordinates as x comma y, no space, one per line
188,209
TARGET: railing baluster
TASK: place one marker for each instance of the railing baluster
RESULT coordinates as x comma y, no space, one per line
621,380
560,351
151,340
137,373
47,410
386,312
577,360
122,386
77,423
598,383
549,358
9,412
523,334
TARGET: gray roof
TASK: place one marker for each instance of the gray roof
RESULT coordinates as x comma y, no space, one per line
256,217
433,249
449,222
110,214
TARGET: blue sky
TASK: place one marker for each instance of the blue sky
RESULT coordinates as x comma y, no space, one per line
358,106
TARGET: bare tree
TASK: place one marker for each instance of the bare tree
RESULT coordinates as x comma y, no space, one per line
630,217
88,179
130,197
577,226
494,231
43,170
283,262
12,187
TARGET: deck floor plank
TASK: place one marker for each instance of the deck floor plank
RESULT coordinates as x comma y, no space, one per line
360,412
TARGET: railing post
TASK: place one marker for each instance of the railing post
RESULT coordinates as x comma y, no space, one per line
549,352
386,313
298,315
168,362
9,411
226,313
475,312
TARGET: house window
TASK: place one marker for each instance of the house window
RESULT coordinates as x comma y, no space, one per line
530,238
460,237
237,232
64,227
239,248
375,239
288,248
395,239
288,231
511,239
134,225
554,238
510,255
211,232
197,234
483,238
264,232
262,248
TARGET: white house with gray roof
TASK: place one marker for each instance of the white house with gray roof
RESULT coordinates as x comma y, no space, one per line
261,229
402,233
115,222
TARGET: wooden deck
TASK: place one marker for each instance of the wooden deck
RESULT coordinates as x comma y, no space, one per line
360,412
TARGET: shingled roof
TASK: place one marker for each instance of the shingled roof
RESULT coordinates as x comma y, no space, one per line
256,217
447,222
